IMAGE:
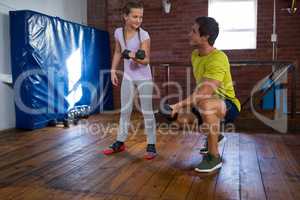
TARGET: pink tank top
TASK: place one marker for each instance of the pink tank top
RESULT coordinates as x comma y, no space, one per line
132,70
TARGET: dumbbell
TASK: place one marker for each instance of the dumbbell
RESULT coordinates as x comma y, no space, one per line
140,54
125,54
166,112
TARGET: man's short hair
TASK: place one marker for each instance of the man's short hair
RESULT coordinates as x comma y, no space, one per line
208,26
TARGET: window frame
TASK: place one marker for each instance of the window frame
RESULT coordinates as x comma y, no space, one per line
210,3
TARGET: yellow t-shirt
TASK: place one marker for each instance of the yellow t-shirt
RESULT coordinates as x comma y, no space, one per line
215,66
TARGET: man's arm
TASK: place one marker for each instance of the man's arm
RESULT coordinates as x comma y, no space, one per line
204,91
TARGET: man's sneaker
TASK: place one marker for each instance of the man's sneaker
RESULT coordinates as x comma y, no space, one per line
221,140
150,152
114,148
209,163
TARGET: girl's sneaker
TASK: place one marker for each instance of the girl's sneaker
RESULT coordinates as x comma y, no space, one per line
151,152
116,147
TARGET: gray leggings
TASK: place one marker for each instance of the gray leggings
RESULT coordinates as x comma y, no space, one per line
145,90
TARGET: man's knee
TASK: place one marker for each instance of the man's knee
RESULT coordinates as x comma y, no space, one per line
211,109
205,105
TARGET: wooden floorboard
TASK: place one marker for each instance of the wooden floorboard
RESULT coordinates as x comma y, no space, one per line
273,179
229,177
136,167
160,181
203,185
169,148
46,158
182,179
60,164
251,183
288,165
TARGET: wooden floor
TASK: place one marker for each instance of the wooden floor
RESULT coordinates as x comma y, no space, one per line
57,163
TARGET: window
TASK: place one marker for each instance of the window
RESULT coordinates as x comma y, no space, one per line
237,22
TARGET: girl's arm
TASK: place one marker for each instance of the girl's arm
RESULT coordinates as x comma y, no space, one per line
115,63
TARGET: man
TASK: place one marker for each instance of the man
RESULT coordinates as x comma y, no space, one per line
214,98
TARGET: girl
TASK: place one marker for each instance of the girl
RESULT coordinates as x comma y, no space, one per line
132,43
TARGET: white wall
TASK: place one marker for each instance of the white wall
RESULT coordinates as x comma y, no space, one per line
72,10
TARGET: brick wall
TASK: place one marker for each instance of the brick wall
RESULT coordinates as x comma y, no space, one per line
169,42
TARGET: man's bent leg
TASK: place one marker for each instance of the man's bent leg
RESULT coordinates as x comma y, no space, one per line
212,111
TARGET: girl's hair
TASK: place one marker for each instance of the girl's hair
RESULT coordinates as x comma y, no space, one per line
127,9
132,4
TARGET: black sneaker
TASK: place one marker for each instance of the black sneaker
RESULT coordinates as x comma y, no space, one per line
209,163
221,140
150,152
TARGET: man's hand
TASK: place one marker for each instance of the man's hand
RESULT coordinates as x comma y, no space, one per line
175,109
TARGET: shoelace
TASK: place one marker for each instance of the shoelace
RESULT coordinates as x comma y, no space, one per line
207,157
151,148
116,145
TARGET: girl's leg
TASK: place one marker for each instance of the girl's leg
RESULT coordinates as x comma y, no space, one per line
145,89
127,94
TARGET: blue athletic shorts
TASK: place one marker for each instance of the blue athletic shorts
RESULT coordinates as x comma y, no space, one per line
231,113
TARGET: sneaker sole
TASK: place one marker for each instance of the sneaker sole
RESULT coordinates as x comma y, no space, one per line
113,152
203,152
149,157
209,170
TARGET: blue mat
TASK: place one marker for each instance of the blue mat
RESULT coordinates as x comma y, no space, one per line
56,65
